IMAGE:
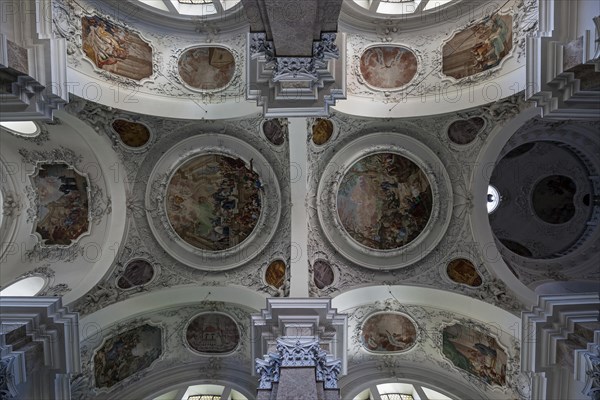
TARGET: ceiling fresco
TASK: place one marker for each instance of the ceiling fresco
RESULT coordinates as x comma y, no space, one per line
388,333
206,68
212,333
125,354
222,207
478,48
463,271
276,273
475,352
132,134
465,131
384,201
388,67
116,49
275,130
137,272
214,201
63,211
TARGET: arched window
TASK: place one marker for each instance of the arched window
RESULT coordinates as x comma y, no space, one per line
25,287
401,391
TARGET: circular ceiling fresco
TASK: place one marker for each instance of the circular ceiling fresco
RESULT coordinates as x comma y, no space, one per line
214,201
207,68
384,201
388,67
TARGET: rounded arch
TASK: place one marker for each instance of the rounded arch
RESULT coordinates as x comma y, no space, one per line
166,298
366,375
180,376
417,295
478,218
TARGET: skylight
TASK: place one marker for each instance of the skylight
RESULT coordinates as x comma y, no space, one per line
493,199
399,7
23,128
25,287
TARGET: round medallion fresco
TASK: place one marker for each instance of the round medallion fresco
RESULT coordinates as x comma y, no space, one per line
212,333
321,131
388,332
463,271
136,273
132,134
388,67
275,274
384,201
206,68
214,201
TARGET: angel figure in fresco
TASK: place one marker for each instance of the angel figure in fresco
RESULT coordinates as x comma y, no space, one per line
103,45
498,38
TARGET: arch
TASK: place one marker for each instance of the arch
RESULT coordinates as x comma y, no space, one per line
448,301
480,224
365,375
162,299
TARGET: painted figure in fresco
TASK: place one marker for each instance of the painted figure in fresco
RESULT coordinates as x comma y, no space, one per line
493,35
214,202
106,45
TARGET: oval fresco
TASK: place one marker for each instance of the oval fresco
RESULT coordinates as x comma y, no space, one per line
212,333
206,68
384,201
322,130
136,273
388,332
214,202
63,204
463,271
132,134
126,354
275,274
465,131
388,67
275,131
322,274
553,199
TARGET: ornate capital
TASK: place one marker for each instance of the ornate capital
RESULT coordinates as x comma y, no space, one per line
8,389
296,353
592,373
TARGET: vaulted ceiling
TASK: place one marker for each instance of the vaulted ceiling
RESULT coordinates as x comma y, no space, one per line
161,200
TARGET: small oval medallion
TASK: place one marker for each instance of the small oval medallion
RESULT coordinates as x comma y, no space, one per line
463,271
275,274
132,134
